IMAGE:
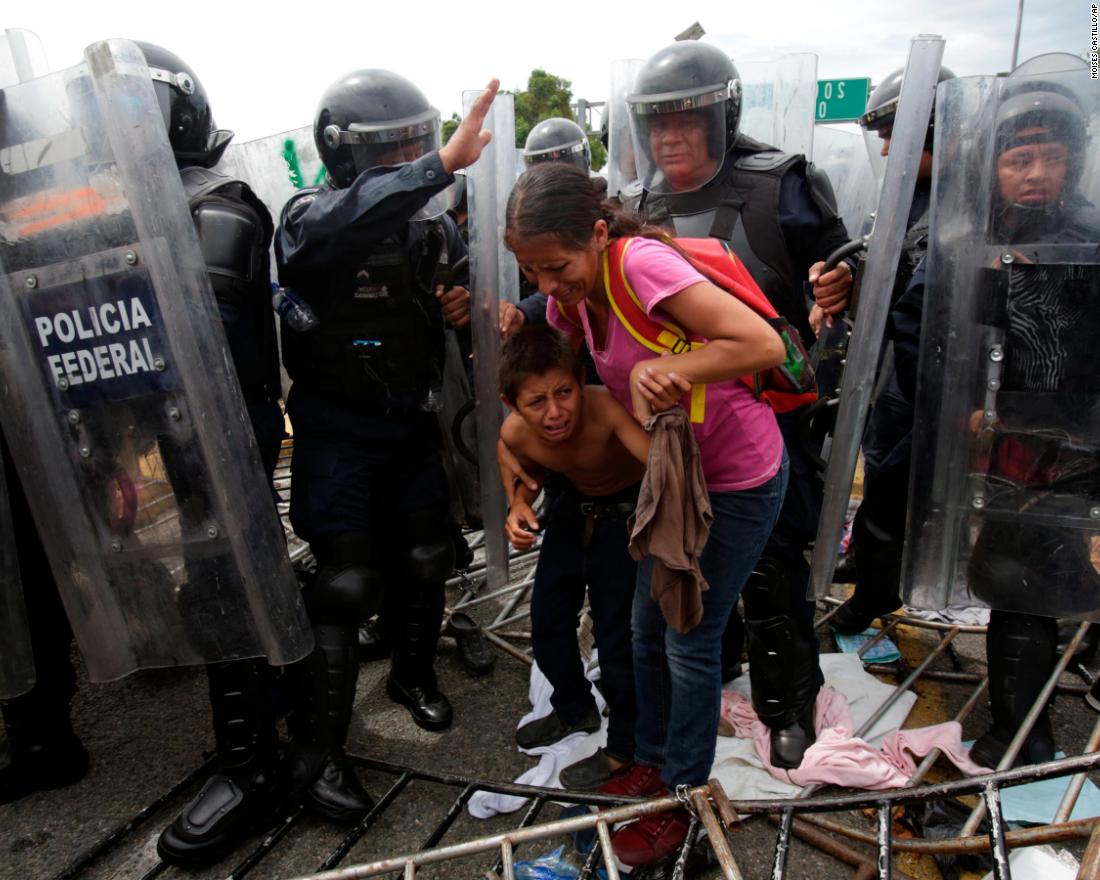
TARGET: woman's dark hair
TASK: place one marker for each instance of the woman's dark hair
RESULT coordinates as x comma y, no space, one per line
553,198
532,351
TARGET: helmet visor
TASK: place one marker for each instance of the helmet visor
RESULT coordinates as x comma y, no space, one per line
574,154
679,141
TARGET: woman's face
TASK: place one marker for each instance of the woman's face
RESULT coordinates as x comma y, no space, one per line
567,273
1033,175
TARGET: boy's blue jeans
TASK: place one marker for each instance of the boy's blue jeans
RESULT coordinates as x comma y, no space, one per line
678,675
587,550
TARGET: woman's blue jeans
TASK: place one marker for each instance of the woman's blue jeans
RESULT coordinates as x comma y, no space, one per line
678,675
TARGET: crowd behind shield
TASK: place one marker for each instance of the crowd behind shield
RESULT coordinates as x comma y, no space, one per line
665,442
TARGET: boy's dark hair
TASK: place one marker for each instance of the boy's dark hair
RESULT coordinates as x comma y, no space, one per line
533,350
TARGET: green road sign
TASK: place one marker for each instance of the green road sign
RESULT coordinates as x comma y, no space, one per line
841,100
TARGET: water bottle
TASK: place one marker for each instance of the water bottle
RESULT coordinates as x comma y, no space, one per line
433,400
295,310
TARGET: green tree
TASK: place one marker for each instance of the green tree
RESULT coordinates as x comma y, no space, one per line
546,95
449,126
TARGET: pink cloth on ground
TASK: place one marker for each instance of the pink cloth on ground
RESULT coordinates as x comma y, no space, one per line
839,758
739,440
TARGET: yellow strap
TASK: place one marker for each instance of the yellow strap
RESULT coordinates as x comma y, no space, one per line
672,338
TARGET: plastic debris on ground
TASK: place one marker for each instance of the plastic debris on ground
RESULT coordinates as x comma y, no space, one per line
1035,803
884,651
1040,863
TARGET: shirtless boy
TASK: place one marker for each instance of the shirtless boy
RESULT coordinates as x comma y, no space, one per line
593,453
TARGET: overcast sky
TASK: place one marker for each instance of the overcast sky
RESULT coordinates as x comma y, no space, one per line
266,64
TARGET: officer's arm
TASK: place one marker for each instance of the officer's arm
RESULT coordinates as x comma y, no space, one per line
534,308
904,330
321,228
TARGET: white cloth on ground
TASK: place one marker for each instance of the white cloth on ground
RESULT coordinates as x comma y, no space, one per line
552,758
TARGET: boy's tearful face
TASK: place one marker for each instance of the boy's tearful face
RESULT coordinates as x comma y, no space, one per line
550,404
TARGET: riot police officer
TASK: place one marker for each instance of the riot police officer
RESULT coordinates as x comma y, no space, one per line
558,140
878,533
1043,446
368,488
235,231
700,176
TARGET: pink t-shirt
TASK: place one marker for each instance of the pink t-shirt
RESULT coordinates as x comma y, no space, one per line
739,440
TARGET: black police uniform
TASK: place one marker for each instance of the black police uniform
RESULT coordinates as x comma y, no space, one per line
878,531
369,491
235,231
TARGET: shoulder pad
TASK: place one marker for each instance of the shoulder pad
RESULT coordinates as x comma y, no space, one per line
767,161
298,203
233,237
198,182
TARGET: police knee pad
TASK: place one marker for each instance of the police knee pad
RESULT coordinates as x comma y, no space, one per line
348,585
430,562
430,554
343,594
768,591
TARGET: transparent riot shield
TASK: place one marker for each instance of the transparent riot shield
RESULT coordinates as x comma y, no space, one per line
884,252
495,277
120,407
778,98
16,655
621,168
276,166
840,154
22,57
1005,493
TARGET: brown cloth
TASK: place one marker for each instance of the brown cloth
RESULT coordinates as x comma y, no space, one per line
672,520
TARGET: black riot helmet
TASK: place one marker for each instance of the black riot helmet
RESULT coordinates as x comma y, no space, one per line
1043,112
687,80
369,118
558,140
882,104
185,107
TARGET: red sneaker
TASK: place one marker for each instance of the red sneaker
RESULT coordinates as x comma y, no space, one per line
651,838
635,780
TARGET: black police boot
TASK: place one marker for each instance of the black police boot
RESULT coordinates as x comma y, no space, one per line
844,572
319,769
412,681
1020,651
477,655
249,790
784,676
374,641
42,752
1088,645
877,561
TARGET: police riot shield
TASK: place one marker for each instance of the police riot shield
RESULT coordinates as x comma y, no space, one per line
778,99
22,57
495,277
622,170
16,655
840,154
276,166
121,408
884,252
1005,493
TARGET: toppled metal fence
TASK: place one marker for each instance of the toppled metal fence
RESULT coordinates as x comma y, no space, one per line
714,816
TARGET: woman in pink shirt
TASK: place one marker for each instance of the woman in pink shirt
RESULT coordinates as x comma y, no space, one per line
560,232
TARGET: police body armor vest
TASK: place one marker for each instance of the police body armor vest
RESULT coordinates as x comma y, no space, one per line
746,191
235,230
379,340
